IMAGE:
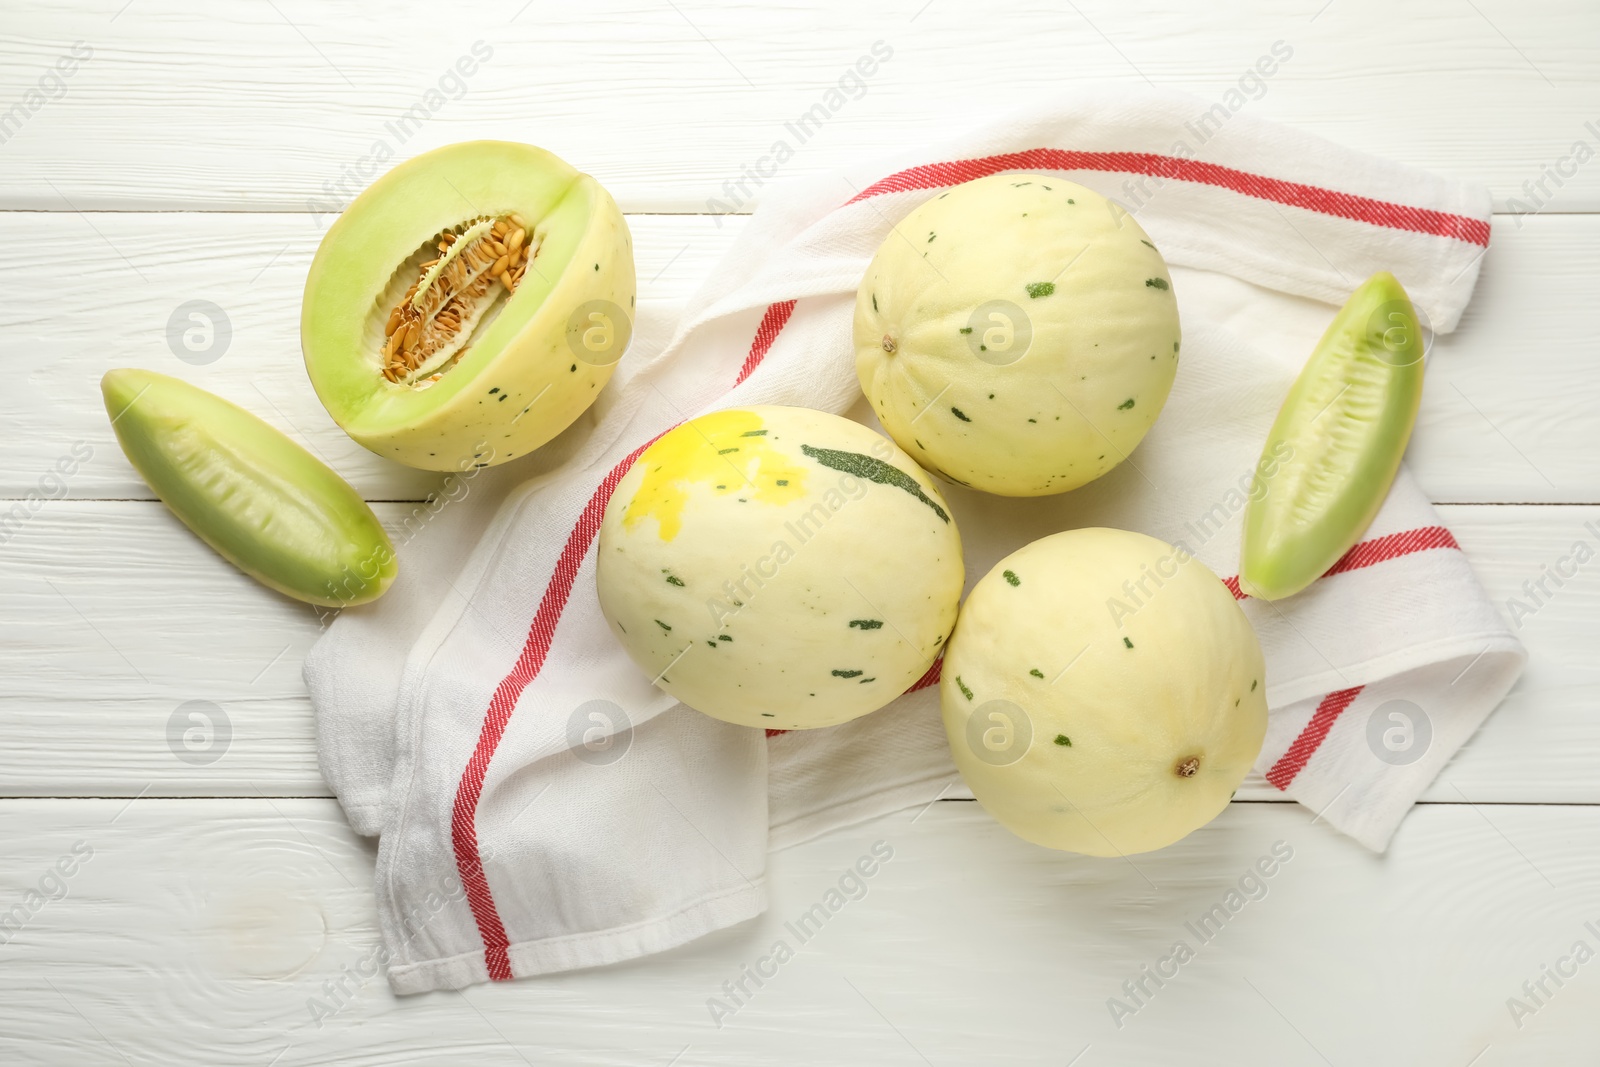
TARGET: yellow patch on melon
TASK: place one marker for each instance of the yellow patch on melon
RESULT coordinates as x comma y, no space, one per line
728,452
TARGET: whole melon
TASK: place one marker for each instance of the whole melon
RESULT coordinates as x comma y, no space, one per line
1103,693
1017,334
779,567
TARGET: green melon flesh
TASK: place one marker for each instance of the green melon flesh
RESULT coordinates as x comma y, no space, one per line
267,505
525,373
1337,443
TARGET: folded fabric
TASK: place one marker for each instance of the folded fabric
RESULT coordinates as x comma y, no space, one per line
541,806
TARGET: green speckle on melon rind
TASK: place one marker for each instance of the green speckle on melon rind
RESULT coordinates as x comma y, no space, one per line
873,470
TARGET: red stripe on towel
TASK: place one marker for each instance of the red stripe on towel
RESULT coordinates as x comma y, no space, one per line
1293,194
1294,761
541,634
1377,550
772,324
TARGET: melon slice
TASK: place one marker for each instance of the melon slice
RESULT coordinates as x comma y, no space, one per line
268,506
1336,445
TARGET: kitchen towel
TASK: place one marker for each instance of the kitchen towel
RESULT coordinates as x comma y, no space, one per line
541,806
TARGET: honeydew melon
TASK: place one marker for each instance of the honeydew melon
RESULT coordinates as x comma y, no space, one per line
1103,693
1017,334
469,305
779,567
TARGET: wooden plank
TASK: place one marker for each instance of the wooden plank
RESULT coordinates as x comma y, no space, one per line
117,618
1505,409
70,321
1490,430
275,106
233,932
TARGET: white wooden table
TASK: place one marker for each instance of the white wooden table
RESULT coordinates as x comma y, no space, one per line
196,153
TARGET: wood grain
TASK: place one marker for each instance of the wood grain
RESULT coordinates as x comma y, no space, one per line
118,617
274,106
1489,430
196,155
209,931
63,332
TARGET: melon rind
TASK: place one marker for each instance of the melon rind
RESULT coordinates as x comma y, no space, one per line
1049,257
752,580
1086,668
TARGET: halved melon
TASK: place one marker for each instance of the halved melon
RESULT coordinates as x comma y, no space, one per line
469,305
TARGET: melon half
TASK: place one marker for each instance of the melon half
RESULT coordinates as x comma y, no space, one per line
469,305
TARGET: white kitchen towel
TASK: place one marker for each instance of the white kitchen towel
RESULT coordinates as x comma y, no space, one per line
541,806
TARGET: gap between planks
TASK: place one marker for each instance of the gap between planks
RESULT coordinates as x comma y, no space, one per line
748,209
265,799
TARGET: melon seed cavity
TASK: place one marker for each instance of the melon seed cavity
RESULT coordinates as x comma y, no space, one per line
479,262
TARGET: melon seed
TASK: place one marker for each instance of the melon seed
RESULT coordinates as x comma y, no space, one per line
433,323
